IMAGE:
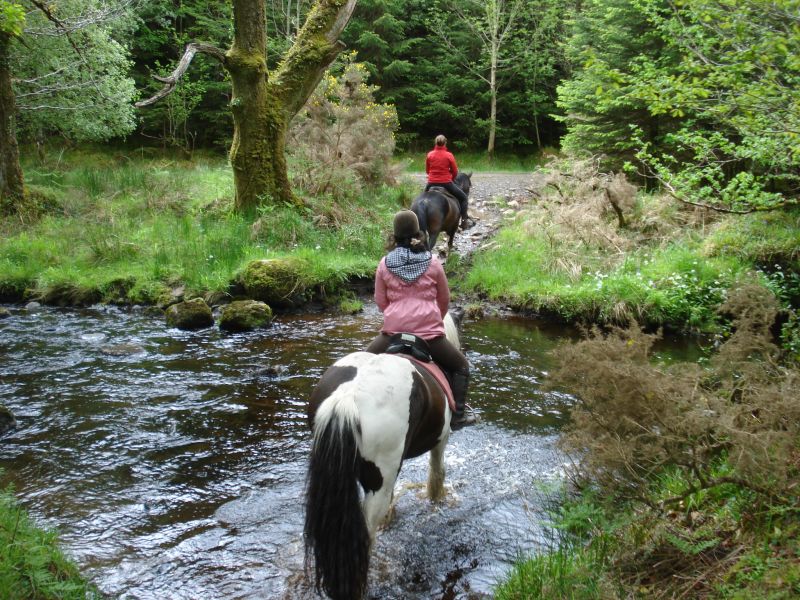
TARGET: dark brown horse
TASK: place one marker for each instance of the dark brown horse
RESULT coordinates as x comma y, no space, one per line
437,210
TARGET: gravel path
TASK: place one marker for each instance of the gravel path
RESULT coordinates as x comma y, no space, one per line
494,196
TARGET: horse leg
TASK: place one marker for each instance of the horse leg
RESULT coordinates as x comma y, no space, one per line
436,469
376,507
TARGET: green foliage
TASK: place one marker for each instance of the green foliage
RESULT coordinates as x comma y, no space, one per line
609,38
74,85
12,18
32,567
733,90
434,92
196,114
697,93
572,564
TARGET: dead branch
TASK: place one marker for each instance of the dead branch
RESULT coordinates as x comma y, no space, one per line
171,81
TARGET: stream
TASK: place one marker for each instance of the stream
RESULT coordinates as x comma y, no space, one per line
173,463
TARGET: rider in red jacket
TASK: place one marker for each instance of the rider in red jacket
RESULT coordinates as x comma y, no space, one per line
440,165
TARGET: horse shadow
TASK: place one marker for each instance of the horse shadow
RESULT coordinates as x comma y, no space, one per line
438,211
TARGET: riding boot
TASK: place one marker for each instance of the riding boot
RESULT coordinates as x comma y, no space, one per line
460,418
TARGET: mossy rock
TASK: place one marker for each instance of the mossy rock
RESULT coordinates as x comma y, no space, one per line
14,290
245,315
69,294
280,282
116,291
192,314
7,420
4,313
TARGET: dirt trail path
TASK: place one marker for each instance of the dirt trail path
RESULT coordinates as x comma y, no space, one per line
494,197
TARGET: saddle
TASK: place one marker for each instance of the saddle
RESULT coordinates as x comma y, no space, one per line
416,349
408,343
443,191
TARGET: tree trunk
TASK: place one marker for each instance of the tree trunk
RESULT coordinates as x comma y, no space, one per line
12,184
264,104
259,123
493,102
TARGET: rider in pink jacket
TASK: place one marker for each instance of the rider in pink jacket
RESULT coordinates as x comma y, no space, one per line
411,291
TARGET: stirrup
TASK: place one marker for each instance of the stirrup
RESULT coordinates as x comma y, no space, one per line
465,418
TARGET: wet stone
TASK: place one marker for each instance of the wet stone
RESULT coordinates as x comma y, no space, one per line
192,314
245,315
7,420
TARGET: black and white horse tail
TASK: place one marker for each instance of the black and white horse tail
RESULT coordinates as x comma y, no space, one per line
335,529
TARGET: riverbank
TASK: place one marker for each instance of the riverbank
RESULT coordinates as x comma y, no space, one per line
32,565
685,476
124,229
589,248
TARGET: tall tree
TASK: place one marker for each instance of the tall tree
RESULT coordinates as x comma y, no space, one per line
197,112
735,93
263,100
492,23
12,183
61,70
609,37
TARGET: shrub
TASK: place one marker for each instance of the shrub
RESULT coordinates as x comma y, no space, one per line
342,139
635,419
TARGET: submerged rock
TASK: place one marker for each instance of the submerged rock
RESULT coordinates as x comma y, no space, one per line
245,315
279,282
123,349
7,420
191,314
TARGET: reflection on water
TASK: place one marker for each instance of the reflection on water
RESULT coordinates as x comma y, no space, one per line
173,463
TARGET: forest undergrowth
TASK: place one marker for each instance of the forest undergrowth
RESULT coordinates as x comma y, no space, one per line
591,247
684,481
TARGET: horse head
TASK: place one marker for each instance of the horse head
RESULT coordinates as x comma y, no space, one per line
464,181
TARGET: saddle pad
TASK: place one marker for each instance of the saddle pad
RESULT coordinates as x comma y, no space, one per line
438,375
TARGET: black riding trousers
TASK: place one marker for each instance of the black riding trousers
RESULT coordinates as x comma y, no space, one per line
443,353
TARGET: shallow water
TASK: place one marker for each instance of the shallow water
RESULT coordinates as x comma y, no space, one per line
173,463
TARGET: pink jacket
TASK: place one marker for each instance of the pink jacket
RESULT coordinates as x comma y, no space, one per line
440,165
417,307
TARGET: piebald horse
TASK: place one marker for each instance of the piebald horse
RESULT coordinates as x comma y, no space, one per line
369,412
437,210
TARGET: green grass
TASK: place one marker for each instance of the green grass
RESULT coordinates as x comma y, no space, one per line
673,285
127,228
616,549
32,566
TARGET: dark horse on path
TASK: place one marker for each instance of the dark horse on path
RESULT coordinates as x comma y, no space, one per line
437,210
369,413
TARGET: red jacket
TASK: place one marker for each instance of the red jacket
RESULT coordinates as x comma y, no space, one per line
440,165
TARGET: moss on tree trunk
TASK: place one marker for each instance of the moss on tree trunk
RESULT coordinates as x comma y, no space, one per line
12,184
